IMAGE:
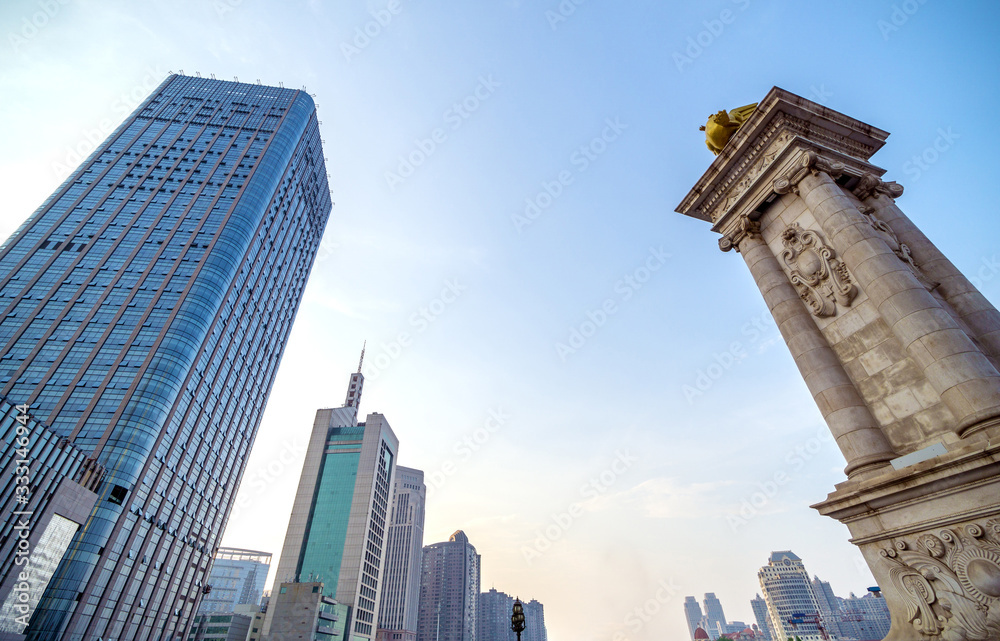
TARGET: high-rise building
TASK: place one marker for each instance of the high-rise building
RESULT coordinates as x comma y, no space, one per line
146,305
692,614
397,619
449,591
493,618
714,615
759,607
304,611
534,622
336,532
237,578
220,626
864,619
788,591
829,605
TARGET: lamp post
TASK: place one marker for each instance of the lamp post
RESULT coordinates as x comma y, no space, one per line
517,618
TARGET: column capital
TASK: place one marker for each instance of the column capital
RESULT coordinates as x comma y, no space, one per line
870,185
742,229
809,163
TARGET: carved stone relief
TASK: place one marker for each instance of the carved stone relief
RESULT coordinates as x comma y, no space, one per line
950,582
900,249
819,276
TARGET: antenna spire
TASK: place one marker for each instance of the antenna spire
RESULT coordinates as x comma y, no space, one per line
365,344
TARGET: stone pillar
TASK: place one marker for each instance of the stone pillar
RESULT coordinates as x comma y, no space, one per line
966,380
856,431
982,319
899,350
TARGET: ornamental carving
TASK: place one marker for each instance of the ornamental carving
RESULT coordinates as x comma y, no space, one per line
809,163
744,228
949,583
871,186
819,276
901,250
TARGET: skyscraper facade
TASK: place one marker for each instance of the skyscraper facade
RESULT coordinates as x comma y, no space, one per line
692,614
397,619
788,591
534,622
337,529
237,578
146,306
759,607
715,618
493,617
449,591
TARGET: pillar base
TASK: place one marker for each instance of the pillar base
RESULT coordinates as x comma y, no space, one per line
930,533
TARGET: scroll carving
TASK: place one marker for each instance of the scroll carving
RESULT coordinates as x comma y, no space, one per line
819,276
745,228
950,582
870,185
809,163
900,249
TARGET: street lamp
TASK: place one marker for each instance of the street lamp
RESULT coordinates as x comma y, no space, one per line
517,618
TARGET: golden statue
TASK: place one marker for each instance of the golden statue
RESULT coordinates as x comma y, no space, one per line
721,126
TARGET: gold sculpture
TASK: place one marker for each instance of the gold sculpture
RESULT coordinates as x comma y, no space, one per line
721,126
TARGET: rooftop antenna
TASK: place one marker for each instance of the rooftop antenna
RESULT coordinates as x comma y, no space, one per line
363,345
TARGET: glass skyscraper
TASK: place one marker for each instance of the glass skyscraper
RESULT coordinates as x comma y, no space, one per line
146,307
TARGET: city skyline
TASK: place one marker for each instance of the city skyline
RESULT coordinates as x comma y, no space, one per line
675,446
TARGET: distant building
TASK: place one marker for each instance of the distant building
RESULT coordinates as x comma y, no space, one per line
759,607
237,578
493,618
218,626
534,622
337,530
713,613
788,590
397,618
864,619
829,605
449,591
692,614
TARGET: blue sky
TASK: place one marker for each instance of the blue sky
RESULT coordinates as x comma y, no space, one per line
605,481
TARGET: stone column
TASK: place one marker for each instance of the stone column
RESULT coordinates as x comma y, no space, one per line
982,319
855,429
960,373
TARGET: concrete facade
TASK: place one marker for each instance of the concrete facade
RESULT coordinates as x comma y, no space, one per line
449,591
397,619
899,350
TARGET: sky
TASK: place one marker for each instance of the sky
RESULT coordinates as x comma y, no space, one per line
596,394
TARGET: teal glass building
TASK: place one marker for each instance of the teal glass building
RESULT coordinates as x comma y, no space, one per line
146,305
338,527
